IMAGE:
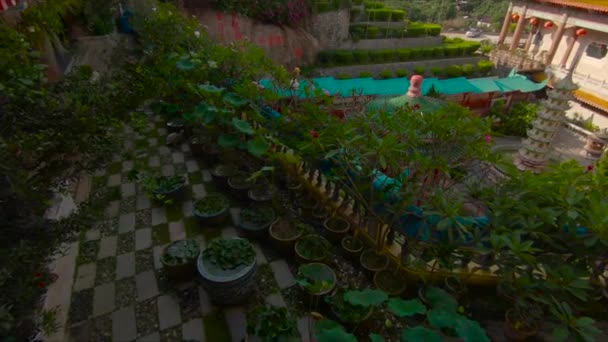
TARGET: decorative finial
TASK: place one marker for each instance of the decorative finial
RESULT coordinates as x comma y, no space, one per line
415,89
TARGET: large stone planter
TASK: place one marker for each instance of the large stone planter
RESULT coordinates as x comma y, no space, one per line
227,287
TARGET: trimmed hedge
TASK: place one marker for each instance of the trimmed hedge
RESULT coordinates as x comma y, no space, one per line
357,31
365,74
385,14
348,57
468,69
330,5
419,70
343,77
373,4
384,74
453,71
402,72
485,67
437,71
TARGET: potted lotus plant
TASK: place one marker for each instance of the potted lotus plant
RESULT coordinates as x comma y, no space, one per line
317,279
164,189
255,220
352,247
336,228
221,173
179,259
228,268
212,209
312,248
239,185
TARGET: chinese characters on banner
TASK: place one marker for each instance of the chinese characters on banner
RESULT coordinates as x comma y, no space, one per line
270,41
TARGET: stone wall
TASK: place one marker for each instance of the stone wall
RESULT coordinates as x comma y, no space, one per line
375,69
392,43
331,29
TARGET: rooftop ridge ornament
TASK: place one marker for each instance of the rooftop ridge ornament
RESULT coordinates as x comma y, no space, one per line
415,89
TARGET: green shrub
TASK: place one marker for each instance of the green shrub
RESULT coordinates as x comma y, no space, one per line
372,32
361,56
373,4
323,6
471,47
516,122
468,69
453,71
437,71
343,57
365,74
387,55
426,52
384,74
402,72
419,70
485,67
415,29
415,53
343,77
376,56
357,2
404,54
385,14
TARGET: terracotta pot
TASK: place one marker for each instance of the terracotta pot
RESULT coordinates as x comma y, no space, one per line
352,247
336,228
283,244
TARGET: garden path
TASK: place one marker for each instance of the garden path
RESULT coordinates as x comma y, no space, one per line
121,293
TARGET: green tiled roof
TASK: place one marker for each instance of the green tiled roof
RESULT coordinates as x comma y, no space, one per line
399,86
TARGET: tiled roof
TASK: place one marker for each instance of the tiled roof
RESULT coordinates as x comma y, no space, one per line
399,86
594,5
592,100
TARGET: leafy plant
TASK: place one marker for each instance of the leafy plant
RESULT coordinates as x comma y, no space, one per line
316,277
515,122
229,254
181,252
211,204
313,247
406,308
583,328
257,216
271,323
157,187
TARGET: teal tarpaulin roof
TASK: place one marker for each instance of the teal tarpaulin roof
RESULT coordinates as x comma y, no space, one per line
399,86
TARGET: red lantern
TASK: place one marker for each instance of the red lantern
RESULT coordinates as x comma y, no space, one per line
534,21
581,32
549,24
515,17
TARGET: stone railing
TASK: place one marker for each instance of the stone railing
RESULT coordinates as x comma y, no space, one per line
518,59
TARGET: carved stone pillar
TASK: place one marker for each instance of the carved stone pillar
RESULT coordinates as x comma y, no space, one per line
556,40
518,31
505,25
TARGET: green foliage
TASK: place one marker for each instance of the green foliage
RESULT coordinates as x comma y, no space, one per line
43,19
402,72
348,57
281,12
181,252
330,331
257,216
437,71
485,67
313,247
406,308
365,298
271,323
583,328
384,74
367,31
453,71
419,70
515,122
373,4
468,69
229,254
100,15
343,77
365,74
385,14
316,277
211,204
584,123
421,334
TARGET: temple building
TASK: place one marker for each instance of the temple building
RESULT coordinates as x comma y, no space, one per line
559,36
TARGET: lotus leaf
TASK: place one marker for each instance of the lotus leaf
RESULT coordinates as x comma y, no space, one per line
406,308
418,334
365,298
